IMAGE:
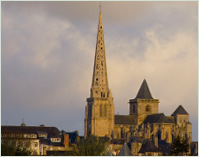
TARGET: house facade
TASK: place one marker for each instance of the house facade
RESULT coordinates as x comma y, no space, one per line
38,139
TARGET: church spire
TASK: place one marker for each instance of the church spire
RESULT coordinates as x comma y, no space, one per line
99,87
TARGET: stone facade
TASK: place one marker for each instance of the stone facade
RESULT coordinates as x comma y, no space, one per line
144,120
99,119
141,108
148,123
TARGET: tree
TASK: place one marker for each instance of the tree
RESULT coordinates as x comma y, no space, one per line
15,148
90,146
179,146
7,149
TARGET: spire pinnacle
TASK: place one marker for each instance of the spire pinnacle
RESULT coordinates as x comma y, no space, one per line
100,7
99,87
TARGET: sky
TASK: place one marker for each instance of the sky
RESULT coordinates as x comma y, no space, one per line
48,49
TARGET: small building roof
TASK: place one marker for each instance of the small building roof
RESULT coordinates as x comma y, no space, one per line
52,132
171,119
148,146
144,92
164,147
124,119
158,118
125,151
179,110
118,141
136,139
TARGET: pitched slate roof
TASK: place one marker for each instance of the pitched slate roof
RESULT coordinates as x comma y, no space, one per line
148,146
144,92
138,139
164,147
125,151
179,110
52,132
118,141
171,119
124,119
158,118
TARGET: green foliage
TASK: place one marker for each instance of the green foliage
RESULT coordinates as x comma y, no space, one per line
179,146
22,152
13,148
90,146
7,149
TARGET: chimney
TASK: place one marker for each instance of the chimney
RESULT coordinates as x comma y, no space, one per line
66,140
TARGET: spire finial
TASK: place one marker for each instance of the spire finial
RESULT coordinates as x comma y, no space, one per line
100,7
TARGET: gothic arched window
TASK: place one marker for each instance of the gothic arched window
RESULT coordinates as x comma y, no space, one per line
133,108
101,112
105,110
102,94
122,132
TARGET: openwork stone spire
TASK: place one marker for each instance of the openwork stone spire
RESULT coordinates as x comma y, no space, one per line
99,87
99,111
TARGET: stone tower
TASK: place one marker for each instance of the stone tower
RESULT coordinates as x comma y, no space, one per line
99,111
143,104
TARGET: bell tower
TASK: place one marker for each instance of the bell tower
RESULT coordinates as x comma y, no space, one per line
143,104
99,111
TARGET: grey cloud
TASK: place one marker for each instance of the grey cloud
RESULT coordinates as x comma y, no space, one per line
48,52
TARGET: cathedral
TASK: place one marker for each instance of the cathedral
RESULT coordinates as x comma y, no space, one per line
144,121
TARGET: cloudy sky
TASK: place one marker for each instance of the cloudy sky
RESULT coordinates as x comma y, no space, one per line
48,55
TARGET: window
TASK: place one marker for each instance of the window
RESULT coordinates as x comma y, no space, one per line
102,94
89,111
122,132
36,144
148,108
105,110
167,135
96,83
133,108
58,139
101,114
